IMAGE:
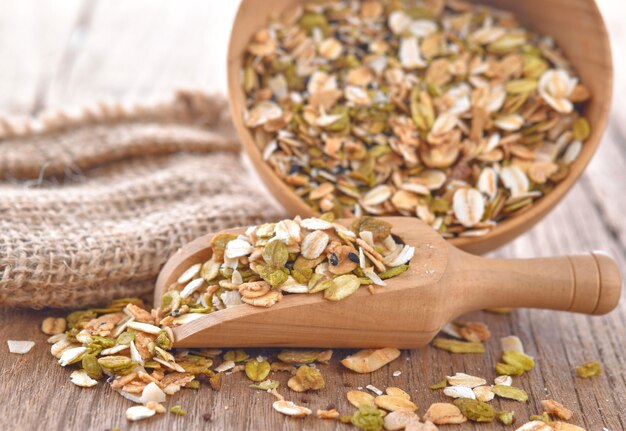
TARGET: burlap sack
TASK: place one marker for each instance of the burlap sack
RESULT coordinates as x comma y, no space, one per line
93,202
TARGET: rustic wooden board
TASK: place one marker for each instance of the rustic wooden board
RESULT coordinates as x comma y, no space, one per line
73,52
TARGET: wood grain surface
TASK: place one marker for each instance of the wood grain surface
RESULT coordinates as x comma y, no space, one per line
72,52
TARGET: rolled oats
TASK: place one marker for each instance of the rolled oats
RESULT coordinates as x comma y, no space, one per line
535,426
484,393
394,402
359,398
419,426
80,378
290,409
444,414
137,413
511,343
399,419
369,360
327,414
462,379
459,392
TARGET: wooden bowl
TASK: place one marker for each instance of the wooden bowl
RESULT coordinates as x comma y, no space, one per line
576,26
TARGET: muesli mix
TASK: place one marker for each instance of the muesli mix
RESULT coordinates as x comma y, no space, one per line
299,256
443,110
125,344
132,347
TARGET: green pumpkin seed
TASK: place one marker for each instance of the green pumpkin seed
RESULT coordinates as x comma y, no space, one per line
236,355
589,369
276,254
475,410
266,385
343,286
506,418
393,272
257,370
581,129
292,356
91,366
456,346
510,392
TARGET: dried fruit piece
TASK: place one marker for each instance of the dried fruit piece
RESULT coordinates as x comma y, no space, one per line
455,346
475,410
444,414
369,360
474,331
368,418
510,392
506,418
589,369
557,409
306,378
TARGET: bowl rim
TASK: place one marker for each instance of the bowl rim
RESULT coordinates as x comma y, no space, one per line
500,234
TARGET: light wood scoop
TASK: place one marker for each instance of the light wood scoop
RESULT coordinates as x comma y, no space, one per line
442,283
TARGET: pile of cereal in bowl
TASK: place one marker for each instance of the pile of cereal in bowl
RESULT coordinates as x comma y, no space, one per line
447,111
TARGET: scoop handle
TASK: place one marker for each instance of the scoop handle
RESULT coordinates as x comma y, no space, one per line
589,283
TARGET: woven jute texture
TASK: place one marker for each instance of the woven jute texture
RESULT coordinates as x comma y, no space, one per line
94,201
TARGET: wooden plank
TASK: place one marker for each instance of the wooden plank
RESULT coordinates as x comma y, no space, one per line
33,36
145,48
121,55
605,178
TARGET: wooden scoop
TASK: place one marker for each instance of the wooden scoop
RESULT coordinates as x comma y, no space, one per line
442,283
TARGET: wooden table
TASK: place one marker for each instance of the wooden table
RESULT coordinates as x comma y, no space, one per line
70,52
